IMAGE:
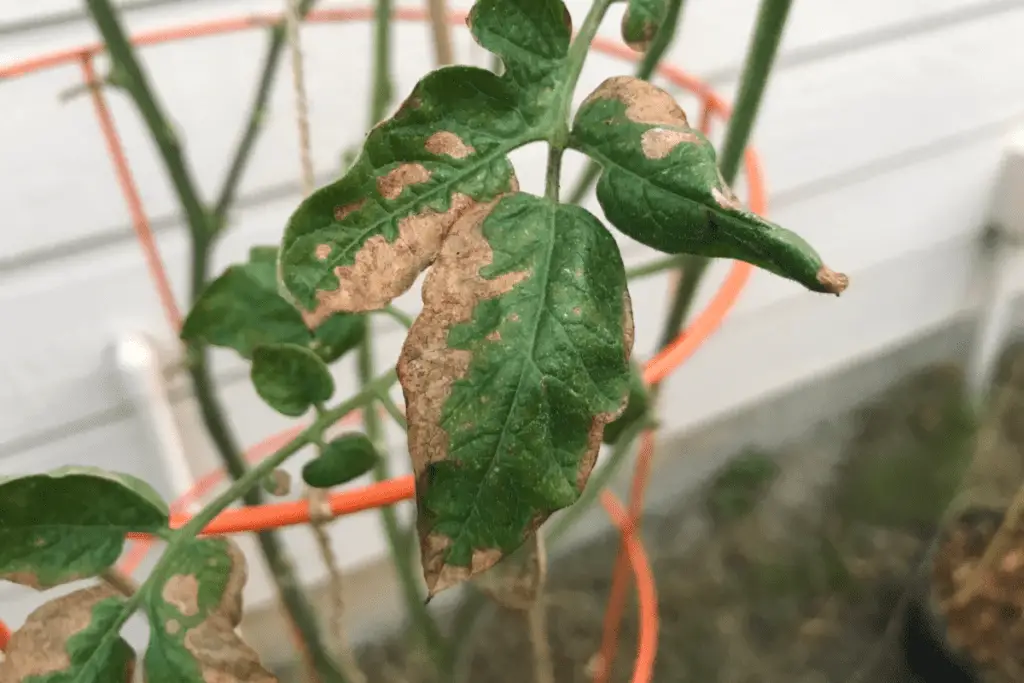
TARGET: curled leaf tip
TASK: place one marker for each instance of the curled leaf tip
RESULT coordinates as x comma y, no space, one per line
833,282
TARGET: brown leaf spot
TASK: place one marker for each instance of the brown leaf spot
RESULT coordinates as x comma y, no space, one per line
383,270
391,184
493,336
322,252
222,656
340,212
182,592
39,542
833,282
513,317
726,199
658,143
172,626
30,579
645,103
577,311
445,143
427,367
39,647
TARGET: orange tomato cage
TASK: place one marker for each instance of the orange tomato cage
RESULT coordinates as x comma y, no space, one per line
632,557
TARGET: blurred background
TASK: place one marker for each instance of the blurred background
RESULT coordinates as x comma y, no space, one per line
884,137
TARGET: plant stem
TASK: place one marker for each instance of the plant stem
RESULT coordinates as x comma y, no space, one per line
771,20
202,226
250,480
254,122
397,540
654,267
393,410
554,173
438,10
403,318
383,90
659,46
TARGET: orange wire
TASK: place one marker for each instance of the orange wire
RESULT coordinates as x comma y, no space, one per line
402,488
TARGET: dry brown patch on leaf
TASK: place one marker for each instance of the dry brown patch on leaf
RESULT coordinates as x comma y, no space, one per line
393,183
427,367
446,143
658,143
383,270
39,647
648,33
833,282
340,212
222,656
645,103
30,579
181,591
726,199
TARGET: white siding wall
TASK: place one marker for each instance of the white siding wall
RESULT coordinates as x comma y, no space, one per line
881,135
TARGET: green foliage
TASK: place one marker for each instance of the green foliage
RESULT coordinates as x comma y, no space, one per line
290,378
242,309
641,22
70,523
72,639
194,609
356,244
520,376
661,186
340,461
636,409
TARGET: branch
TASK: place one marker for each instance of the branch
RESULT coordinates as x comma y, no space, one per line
441,31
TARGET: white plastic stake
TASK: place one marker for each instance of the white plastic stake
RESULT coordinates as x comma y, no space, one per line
139,362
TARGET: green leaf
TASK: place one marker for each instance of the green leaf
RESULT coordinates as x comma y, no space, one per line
636,408
661,186
517,362
290,378
641,22
193,611
358,243
72,639
243,309
346,458
70,523
338,335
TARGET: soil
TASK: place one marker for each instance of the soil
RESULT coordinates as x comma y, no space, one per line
788,568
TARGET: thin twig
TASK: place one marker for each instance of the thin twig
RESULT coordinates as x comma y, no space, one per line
293,19
119,581
441,31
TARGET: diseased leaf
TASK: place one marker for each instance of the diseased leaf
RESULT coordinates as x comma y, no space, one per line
636,408
340,461
518,360
193,612
641,22
243,309
518,581
358,243
661,186
70,523
290,378
72,639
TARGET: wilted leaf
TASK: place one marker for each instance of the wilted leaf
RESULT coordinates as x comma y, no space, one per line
290,378
661,186
345,458
242,309
641,22
358,243
518,360
193,613
70,523
72,639
636,408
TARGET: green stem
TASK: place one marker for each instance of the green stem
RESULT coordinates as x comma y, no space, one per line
254,122
554,173
403,318
397,540
654,267
771,20
393,410
659,46
383,91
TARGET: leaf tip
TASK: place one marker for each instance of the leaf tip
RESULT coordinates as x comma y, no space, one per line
831,281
